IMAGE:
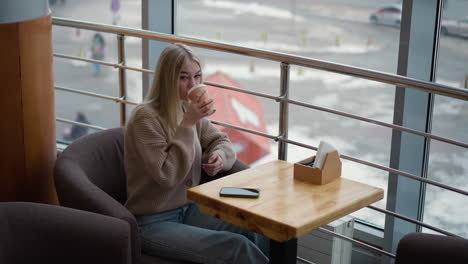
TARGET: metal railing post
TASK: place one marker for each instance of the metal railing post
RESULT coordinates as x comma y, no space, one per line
283,113
122,79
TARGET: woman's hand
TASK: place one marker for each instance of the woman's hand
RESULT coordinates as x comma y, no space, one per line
197,111
214,165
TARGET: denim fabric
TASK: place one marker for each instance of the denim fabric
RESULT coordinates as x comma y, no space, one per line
187,234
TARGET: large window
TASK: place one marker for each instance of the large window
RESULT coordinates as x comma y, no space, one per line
359,33
447,162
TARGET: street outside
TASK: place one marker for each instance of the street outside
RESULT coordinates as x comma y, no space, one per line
337,31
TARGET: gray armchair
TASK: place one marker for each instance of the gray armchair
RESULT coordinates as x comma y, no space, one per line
90,175
42,233
430,248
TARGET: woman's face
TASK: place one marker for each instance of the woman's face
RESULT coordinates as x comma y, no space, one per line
189,76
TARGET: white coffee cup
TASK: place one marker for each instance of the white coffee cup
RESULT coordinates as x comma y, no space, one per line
195,92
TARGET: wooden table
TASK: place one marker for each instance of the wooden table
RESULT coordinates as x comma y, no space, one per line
287,208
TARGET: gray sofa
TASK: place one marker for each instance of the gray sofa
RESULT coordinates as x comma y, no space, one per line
42,233
431,248
90,175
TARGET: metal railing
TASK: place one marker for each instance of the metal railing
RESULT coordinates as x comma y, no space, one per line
285,61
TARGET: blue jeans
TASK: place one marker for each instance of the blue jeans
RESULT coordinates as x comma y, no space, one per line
188,234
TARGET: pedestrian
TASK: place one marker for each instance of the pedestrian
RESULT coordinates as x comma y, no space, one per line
78,131
115,8
464,82
169,144
97,51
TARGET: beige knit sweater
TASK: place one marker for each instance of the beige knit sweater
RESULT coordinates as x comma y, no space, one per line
160,171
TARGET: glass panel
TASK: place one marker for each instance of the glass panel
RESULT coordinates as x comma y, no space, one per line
240,109
90,77
447,162
348,32
126,13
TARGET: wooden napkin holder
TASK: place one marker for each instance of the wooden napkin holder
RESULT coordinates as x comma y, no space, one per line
330,171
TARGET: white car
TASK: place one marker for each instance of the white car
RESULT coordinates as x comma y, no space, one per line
455,27
387,15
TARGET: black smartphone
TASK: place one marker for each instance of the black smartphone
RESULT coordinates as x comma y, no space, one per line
239,192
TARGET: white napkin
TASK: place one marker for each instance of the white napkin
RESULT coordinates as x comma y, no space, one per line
323,149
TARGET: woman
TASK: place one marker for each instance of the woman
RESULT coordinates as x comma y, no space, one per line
168,142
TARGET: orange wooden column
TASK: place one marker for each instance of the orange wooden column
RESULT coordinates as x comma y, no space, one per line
27,135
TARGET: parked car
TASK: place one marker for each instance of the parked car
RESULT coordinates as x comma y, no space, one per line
387,15
455,27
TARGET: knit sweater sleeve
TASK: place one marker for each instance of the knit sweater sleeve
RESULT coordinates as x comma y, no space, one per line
151,152
213,140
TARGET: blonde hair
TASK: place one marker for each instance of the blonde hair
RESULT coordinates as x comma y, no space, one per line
164,93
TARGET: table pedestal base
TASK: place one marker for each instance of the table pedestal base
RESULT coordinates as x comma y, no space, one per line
283,252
